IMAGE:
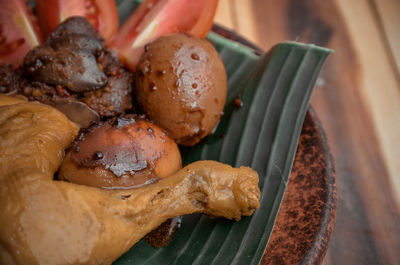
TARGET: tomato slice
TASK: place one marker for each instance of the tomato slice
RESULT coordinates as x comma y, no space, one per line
19,31
102,14
155,18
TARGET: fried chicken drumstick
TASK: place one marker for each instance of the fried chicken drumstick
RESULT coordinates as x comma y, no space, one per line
45,221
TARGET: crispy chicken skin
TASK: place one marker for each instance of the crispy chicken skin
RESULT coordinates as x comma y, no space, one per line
44,221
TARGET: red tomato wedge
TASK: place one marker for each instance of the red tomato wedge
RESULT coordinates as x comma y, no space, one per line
19,31
155,18
102,14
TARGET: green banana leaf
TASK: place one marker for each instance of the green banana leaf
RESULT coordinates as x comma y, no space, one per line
275,90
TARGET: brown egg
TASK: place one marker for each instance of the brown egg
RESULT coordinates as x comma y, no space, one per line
181,85
123,152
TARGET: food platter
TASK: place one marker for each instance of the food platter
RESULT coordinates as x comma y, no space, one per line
267,102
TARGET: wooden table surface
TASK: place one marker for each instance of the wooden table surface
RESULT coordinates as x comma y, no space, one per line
357,99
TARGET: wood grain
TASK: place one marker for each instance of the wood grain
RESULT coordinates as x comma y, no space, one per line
379,80
358,101
387,14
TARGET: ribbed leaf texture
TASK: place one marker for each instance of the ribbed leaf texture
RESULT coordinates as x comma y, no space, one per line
275,90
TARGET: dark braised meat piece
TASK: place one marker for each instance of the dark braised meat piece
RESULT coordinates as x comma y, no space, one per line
13,81
77,70
79,42
72,65
75,25
69,58
114,98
